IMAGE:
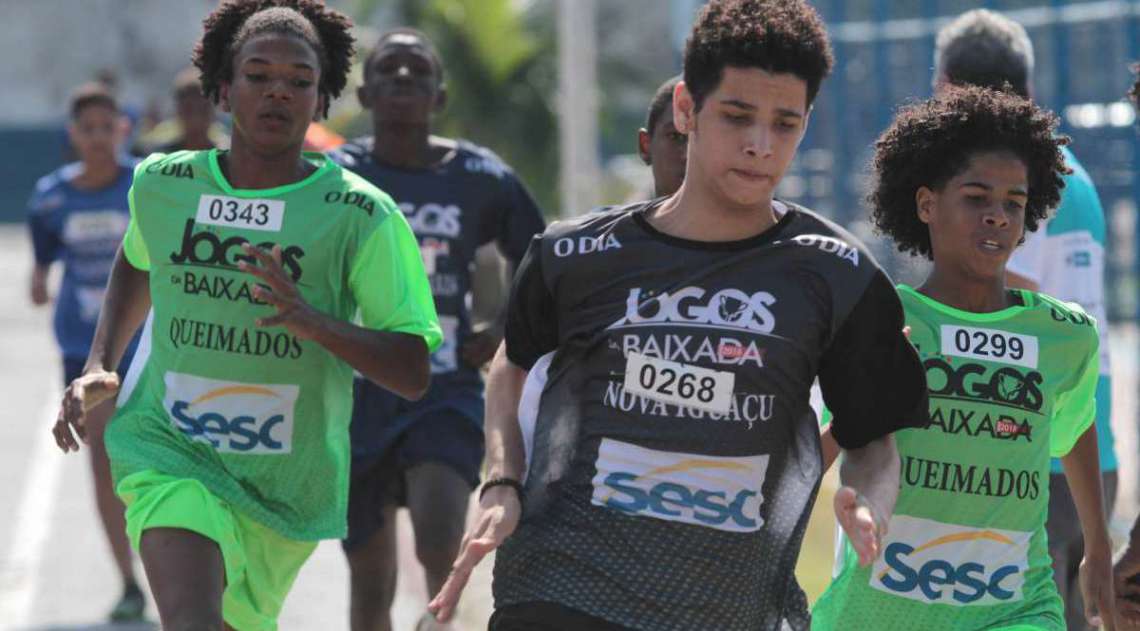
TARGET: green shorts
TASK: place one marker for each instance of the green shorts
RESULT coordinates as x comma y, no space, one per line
260,564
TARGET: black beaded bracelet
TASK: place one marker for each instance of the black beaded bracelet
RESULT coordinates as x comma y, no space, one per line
493,482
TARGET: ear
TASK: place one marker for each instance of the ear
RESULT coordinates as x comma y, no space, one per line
72,132
224,97
364,97
440,99
684,109
643,146
926,202
320,112
123,130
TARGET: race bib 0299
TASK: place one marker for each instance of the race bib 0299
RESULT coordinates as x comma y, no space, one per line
990,345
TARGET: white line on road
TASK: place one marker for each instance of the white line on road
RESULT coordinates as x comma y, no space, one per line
20,567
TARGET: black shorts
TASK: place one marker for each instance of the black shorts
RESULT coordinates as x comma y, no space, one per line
442,435
545,616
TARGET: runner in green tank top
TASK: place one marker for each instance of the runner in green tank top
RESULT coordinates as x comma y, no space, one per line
1012,379
230,448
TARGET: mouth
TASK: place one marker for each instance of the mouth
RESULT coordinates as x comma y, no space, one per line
751,176
274,118
991,245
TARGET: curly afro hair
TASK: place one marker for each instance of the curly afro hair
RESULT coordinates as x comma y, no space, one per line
780,36
932,141
234,22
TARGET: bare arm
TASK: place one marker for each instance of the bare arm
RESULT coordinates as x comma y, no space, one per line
396,361
37,285
480,347
500,507
1082,472
866,501
125,306
505,454
829,447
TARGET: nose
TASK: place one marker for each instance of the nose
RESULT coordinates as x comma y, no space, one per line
278,89
995,217
758,144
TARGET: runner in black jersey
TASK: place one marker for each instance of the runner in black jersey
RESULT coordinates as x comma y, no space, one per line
425,455
675,457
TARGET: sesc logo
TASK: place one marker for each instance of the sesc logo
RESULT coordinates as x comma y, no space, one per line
933,562
712,491
230,416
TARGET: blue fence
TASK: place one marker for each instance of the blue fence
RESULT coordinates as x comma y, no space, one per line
884,56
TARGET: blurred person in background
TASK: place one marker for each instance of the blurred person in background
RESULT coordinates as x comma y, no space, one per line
77,216
426,455
659,144
1127,567
194,126
1064,258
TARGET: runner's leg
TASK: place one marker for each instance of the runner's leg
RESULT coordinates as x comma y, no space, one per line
437,501
372,569
186,576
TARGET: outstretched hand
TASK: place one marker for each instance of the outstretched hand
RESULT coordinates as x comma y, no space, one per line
861,522
499,513
280,291
82,396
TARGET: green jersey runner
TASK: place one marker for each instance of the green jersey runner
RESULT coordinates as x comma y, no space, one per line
966,546
255,414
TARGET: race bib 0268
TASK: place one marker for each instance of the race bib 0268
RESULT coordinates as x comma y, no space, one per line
679,384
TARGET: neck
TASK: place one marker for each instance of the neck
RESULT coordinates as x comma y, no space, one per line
197,141
246,168
402,145
696,213
975,295
97,174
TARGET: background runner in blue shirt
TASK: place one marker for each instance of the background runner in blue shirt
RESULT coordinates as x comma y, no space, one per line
426,455
77,216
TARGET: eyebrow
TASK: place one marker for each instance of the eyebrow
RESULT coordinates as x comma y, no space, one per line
781,111
259,60
1017,191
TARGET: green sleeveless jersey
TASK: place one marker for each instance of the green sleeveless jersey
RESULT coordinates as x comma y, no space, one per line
257,415
966,546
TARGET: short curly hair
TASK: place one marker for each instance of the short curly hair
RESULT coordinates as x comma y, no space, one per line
780,36
930,142
424,42
234,22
